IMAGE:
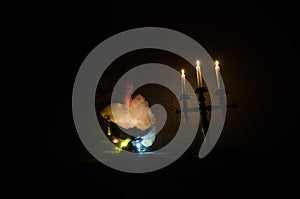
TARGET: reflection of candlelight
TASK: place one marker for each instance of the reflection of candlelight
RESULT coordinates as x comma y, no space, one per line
217,68
198,72
183,88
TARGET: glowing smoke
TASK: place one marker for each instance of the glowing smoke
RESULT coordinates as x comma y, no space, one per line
135,113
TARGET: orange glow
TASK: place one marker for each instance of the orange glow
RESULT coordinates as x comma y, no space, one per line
115,140
198,63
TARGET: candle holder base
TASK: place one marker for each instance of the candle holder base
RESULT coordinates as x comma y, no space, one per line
201,90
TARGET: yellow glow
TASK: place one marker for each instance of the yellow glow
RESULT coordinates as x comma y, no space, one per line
117,150
124,143
198,63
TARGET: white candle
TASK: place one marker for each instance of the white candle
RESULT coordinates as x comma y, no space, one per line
217,68
198,72
183,86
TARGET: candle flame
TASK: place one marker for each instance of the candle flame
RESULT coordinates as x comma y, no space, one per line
198,63
217,63
182,72
217,68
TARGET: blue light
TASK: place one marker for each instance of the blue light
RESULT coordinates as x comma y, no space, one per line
138,145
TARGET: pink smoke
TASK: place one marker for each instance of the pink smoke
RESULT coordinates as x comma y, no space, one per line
129,90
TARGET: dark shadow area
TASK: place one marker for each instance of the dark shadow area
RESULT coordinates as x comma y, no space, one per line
257,46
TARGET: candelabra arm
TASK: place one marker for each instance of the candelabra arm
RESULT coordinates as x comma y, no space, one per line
203,107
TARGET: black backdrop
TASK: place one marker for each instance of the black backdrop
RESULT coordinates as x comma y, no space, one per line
257,46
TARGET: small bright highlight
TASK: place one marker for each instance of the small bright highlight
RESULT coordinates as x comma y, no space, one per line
182,72
217,63
115,140
124,143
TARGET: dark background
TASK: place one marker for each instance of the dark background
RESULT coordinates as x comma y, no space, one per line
256,44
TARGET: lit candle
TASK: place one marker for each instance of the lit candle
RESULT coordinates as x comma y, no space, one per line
198,72
217,68
183,88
